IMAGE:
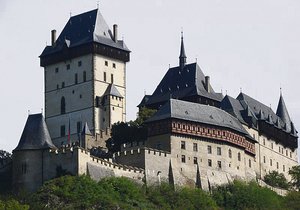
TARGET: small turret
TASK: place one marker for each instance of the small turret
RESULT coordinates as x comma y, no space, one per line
182,56
283,113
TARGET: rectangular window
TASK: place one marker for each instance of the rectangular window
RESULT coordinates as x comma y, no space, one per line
104,76
79,63
219,151
68,66
182,145
79,128
112,78
283,168
264,141
209,149
272,145
209,163
286,153
264,159
114,65
249,163
62,131
106,63
183,158
270,162
76,78
277,165
219,164
195,147
290,154
56,70
195,160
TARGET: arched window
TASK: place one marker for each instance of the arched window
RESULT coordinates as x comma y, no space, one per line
239,156
229,153
62,105
84,76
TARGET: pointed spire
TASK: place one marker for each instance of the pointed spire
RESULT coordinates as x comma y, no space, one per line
182,56
283,113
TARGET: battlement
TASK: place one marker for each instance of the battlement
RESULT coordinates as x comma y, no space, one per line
138,150
113,165
132,144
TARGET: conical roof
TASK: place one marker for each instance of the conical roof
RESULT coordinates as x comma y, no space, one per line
182,56
283,113
35,134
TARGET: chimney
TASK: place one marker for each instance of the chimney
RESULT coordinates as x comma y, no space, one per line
53,37
207,84
115,32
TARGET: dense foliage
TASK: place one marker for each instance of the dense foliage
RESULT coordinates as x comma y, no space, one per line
276,179
81,192
246,196
295,174
132,131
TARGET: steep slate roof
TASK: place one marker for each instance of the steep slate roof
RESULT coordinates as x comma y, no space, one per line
85,28
144,101
112,90
245,108
35,134
197,113
181,83
283,113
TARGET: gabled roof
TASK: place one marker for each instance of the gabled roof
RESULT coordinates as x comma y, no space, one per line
195,112
182,83
144,101
85,28
35,134
282,112
112,90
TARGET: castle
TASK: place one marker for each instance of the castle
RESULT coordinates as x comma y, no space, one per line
197,137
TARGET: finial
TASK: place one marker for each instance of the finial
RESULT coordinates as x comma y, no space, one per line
196,59
241,90
280,91
144,92
181,32
97,4
226,92
221,91
169,65
70,13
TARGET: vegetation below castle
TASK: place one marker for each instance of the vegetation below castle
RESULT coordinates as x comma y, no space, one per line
81,192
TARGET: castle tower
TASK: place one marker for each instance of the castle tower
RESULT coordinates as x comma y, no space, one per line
28,156
82,68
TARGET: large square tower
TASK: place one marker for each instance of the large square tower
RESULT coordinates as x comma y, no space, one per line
85,78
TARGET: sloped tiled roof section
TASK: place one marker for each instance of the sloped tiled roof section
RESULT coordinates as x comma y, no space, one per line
112,90
247,110
282,112
82,29
183,82
195,112
35,134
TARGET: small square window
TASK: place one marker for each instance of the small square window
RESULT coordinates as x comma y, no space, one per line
182,144
79,63
68,66
195,147
209,149
114,65
219,151
219,164
106,63
209,162
183,158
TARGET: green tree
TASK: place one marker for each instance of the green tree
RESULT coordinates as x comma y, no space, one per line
292,200
294,172
144,114
276,179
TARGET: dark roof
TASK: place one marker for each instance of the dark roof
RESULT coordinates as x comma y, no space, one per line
85,28
181,83
283,113
248,111
112,90
86,130
35,134
197,113
144,101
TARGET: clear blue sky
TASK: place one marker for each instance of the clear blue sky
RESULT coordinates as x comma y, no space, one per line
253,45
